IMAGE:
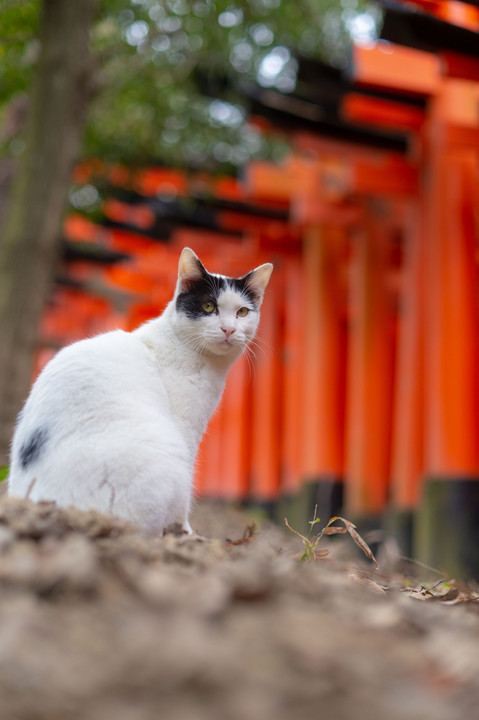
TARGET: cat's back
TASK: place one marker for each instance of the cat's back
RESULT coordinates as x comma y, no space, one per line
90,383
93,367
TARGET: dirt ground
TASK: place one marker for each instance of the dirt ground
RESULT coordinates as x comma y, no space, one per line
97,623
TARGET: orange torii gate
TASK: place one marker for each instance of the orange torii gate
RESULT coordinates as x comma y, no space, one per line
350,204
438,401
411,443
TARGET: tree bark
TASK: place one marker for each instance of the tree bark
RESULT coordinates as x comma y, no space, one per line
30,242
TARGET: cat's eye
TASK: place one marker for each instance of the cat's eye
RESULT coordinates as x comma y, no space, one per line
209,306
242,312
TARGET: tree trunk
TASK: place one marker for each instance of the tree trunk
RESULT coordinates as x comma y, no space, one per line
29,246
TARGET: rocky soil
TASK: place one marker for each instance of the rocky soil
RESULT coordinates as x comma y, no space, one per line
97,623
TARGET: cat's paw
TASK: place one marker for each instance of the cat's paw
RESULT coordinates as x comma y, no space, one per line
187,528
177,528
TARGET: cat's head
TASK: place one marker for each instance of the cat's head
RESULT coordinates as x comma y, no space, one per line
217,314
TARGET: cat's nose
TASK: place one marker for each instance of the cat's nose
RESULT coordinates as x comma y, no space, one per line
228,331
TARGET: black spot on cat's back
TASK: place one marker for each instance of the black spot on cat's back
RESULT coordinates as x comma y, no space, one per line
32,448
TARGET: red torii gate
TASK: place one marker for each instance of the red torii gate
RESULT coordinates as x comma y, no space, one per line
410,443
350,204
440,350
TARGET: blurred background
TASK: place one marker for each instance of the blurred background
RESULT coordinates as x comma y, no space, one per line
338,139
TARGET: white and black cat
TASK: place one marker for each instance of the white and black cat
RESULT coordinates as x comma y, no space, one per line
114,422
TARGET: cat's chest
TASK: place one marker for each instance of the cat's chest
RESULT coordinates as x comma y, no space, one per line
193,394
193,388
193,383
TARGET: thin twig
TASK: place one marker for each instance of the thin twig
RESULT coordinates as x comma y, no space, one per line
422,565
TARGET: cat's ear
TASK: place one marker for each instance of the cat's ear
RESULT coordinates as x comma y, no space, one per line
257,281
189,269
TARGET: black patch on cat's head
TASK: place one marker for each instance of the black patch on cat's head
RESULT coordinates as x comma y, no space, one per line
208,287
241,285
197,292
32,448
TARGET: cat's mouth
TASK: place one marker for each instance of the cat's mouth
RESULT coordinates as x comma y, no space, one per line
225,345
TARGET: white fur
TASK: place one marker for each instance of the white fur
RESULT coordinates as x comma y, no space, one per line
123,413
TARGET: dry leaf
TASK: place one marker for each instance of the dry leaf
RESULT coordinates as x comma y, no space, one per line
357,539
334,530
248,535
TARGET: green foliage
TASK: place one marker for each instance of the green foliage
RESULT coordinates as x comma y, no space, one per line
153,59
150,105
18,48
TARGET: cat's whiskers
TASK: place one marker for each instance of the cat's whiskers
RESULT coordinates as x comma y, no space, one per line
196,343
249,354
261,345
252,354
200,343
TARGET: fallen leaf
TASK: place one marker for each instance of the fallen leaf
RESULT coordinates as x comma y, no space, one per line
334,530
248,535
351,528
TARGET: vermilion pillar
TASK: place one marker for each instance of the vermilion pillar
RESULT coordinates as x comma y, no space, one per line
370,372
266,403
407,464
324,366
448,525
234,443
208,462
452,446
293,300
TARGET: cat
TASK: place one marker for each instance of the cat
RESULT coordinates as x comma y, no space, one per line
113,422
